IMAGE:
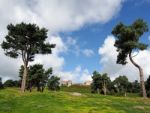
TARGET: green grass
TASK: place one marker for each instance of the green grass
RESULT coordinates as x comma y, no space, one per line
12,101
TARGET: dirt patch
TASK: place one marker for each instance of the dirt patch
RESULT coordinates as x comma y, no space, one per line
76,94
139,107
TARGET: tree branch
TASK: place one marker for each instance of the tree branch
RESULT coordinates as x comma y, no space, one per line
133,62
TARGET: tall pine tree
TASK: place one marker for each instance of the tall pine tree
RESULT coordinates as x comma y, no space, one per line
26,40
128,41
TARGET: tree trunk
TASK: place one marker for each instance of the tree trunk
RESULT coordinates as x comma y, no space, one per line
125,94
23,83
104,88
38,87
98,91
43,88
30,86
141,76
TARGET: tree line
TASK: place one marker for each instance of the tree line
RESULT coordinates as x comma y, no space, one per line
39,78
102,84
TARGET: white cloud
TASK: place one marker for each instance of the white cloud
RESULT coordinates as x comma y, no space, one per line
78,75
71,41
108,57
73,47
60,44
8,67
85,76
78,69
54,60
73,14
88,52
58,15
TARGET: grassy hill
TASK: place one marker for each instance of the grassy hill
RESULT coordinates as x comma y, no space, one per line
76,88
12,101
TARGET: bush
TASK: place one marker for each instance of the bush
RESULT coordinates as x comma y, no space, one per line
1,84
148,93
11,83
53,83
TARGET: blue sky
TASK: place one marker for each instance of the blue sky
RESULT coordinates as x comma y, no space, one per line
82,33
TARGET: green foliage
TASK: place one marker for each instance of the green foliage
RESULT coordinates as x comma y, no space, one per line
17,83
148,86
8,83
26,40
134,87
37,76
121,83
1,84
100,81
53,83
119,87
148,93
148,83
11,83
128,38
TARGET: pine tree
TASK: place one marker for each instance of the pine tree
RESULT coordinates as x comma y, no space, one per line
26,40
128,41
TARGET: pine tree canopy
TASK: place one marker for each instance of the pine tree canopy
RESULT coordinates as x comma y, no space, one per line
26,40
128,38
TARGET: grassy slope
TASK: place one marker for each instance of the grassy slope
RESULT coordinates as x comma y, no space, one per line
12,101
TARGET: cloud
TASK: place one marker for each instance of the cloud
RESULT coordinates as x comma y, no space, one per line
73,14
85,76
58,15
78,69
71,41
108,57
8,67
88,52
74,47
54,60
78,75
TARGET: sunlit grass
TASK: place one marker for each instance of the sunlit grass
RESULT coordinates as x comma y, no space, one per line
12,101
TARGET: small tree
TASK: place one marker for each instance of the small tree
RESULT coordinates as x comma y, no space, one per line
105,82
9,83
135,87
96,84
100,82
1,84
26,40
121,83
37,76
127,42
53,83
148,86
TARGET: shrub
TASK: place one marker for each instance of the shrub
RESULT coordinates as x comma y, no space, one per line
53,83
